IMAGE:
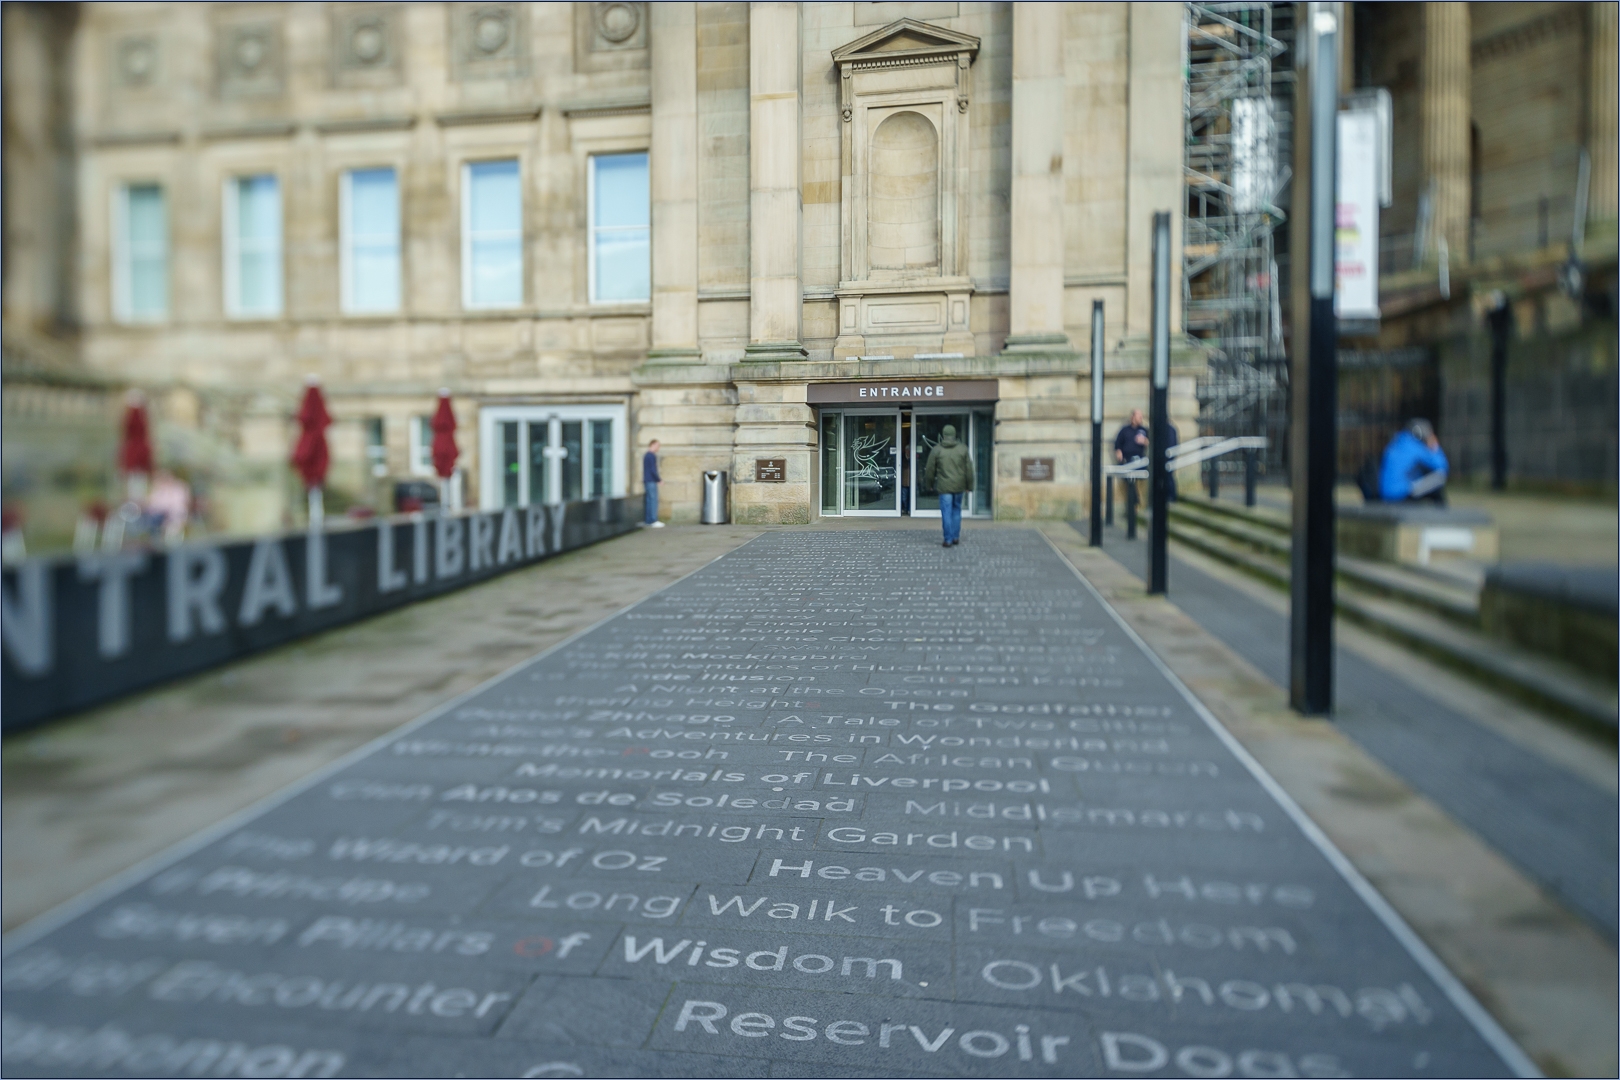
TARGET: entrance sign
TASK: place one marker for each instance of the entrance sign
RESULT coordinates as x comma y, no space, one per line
902,391
770,470
840,802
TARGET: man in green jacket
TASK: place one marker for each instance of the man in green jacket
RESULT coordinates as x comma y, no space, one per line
949,471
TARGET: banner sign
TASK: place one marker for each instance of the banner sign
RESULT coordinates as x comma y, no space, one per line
1355,230
78,630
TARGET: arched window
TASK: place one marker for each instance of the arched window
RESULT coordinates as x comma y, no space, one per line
902,209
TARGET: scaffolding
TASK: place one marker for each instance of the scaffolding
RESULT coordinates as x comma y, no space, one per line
1238,128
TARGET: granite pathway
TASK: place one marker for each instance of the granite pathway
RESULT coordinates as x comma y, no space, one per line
841,803
1559,828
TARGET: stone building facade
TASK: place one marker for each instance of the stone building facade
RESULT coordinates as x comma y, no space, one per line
790,241
1504,197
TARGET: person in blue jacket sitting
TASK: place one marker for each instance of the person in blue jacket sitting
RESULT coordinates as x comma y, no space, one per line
1414,466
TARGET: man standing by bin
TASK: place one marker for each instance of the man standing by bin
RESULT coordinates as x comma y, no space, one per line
650,480
949,471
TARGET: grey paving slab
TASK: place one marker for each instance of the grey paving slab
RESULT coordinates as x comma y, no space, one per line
1556,826
842,803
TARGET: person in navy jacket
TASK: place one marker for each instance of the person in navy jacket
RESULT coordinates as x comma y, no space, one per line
650,480
1414,466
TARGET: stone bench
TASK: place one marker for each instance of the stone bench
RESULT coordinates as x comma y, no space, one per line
1415,533
1566,612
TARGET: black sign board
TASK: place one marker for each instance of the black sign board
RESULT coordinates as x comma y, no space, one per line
1036,470
902,391
779,819
770,470
85,629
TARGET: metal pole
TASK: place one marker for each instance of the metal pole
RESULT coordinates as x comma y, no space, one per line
1130,509
1109,513
1500,319
1249,476
1214,478
1311,623
1159,409
1096,423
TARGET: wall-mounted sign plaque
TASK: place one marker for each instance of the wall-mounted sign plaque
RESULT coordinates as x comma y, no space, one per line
1036,470
902,391
770,470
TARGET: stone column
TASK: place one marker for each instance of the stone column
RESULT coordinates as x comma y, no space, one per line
775,89
1036,287
1600,115
1445,112
672,34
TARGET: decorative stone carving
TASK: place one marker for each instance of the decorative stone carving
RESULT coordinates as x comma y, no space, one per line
610,37
249,58
489,40
135,61
904,95
619,25
365,45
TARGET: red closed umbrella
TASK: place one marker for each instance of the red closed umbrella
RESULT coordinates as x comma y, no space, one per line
310,456
135,453
445,451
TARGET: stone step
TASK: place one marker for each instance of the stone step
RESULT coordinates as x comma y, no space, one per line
1452,599
1549,684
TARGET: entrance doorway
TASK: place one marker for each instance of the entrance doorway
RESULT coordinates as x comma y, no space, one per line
551,454
873,461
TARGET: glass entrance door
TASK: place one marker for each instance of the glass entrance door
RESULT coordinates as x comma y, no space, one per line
871,463
544,454
927,428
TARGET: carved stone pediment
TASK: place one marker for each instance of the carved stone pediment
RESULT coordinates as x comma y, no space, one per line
906,41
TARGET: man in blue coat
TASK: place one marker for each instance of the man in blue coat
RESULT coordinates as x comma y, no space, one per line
650,479
1414,466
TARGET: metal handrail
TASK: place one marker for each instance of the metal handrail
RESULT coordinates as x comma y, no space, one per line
1189,453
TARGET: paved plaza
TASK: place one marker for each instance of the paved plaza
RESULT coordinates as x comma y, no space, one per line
839,803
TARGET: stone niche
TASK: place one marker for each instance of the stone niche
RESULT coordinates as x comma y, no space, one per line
904,95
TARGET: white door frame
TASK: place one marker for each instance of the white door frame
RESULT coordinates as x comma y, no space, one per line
917,464
842,441
490,418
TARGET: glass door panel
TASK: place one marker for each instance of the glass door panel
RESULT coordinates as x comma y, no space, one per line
984,427
871,463
830,424
601,457
511,464
539,462
573,460
927,430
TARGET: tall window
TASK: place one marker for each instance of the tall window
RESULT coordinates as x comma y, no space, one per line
491,235
141,257
421,445
370,249
620,255
253,247
376,446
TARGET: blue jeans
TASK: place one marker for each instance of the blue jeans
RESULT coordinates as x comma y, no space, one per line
651,502
950,515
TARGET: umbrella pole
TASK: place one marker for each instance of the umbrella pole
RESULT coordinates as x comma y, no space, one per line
317,507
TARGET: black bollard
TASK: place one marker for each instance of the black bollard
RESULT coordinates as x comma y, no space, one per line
1249,476
1214,478
1108,515
1130,509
